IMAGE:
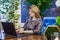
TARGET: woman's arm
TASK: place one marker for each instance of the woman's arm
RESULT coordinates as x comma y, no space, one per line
34,31
21,30
28,31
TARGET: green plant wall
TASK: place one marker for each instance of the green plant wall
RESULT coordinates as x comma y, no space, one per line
8,8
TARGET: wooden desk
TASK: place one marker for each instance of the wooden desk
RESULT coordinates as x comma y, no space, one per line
30,37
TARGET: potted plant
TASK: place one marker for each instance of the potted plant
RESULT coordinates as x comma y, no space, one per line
50,31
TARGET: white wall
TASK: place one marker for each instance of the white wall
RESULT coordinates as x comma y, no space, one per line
58,3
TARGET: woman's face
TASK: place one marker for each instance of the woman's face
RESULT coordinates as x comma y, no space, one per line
31,13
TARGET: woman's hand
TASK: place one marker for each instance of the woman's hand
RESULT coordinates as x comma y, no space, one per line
21,30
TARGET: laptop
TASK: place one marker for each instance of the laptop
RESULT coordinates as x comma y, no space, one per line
9,29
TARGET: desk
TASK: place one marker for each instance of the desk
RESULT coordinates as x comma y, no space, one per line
30,37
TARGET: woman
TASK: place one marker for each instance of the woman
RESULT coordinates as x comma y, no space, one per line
34,24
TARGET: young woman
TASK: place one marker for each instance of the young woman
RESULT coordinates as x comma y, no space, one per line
34,24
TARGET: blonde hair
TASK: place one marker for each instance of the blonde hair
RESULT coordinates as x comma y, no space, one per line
35,9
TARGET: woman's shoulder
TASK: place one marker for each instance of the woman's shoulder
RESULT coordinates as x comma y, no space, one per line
39,19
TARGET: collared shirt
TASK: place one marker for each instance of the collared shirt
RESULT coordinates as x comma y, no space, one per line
34,25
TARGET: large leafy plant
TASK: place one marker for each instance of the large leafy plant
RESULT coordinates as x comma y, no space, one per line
42,4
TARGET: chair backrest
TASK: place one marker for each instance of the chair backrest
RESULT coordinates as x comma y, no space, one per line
48,21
